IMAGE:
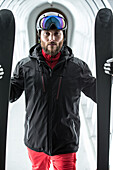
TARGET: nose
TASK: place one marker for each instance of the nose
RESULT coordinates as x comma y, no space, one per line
51,37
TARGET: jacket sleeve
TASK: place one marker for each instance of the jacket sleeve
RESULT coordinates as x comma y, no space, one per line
17,83
88,82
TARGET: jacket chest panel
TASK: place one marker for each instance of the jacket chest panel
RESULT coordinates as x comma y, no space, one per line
32,79
36,80
70,86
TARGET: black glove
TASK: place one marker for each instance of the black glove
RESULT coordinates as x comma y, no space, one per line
1,72
108,66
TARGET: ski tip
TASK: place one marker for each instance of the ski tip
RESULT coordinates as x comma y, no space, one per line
6,14
105,15
6,19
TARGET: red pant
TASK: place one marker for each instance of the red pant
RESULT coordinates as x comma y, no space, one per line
41,161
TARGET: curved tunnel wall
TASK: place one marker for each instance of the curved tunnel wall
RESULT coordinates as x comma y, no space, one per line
81,15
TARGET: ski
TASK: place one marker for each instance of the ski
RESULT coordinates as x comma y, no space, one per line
103,51
7,34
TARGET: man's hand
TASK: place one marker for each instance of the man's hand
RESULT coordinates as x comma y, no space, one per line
108,66
1,72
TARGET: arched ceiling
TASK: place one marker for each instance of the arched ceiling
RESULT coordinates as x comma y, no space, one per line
81,14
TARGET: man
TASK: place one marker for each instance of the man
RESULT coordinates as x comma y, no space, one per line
53,80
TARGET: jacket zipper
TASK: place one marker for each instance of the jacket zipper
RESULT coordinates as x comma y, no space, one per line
50,114
75,133
50,104
60,79
43,83
50,72
27,133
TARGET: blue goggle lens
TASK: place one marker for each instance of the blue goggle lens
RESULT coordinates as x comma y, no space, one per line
46,22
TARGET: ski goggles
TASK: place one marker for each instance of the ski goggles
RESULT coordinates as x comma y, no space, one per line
47,22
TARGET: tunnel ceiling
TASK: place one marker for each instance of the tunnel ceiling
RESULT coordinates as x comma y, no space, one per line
24,7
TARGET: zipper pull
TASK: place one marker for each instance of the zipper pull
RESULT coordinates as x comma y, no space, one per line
50,71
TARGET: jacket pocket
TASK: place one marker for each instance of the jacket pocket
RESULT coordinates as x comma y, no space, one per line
68,130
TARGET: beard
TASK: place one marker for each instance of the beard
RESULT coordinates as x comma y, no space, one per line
51,48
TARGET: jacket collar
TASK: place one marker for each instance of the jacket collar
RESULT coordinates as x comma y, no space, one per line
36,52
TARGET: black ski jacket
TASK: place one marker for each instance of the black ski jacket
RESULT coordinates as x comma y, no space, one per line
52,123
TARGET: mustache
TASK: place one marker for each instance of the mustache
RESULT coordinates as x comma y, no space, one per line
52,43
